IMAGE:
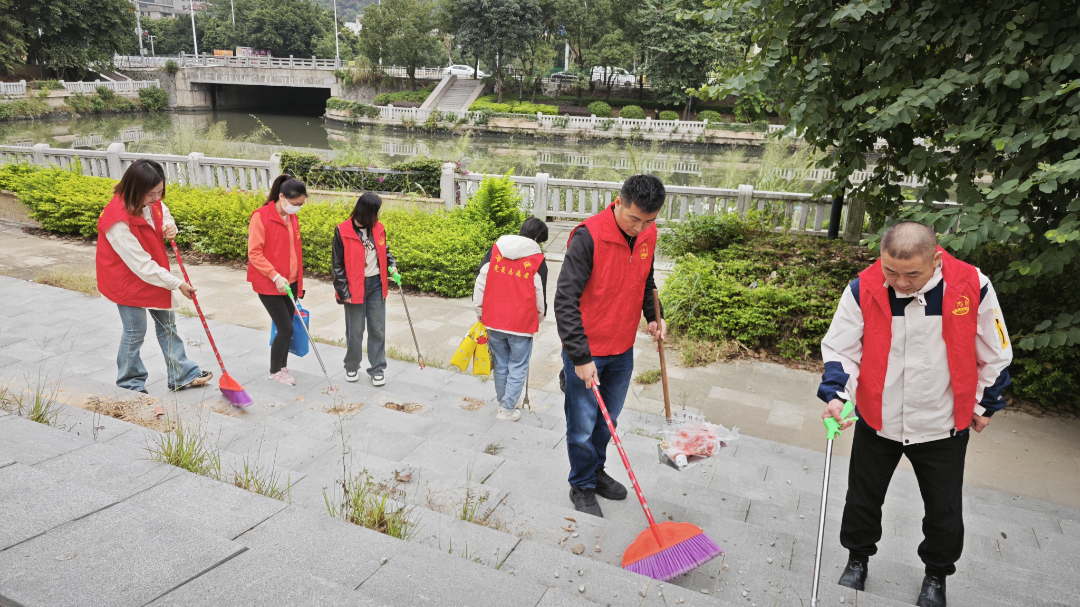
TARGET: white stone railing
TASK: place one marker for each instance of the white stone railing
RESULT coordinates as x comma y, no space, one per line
13,88
193,169
819,175
122,86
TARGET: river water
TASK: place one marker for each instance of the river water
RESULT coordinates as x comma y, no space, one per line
241,134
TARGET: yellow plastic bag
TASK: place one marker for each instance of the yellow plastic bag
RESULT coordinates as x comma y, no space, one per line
481,356
464,354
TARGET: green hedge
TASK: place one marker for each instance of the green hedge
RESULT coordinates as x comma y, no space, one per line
437,252
488,102
355,108
414,96
153,99
600,109
709,115
668,115
421,175
633,112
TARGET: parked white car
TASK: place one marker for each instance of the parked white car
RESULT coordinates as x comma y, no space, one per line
621,77
461,70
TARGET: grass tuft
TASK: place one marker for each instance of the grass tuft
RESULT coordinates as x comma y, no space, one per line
39,406
469,510
186,446
71,279
368,504
263,481
650,376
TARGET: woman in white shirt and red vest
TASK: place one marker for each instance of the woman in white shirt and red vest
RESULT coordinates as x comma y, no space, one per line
919,339
605,287
509,298
363,264
133,272
276,261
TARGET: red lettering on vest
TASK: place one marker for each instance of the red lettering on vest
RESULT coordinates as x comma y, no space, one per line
611,302
958,329
356,258
276,250
115,279
510,293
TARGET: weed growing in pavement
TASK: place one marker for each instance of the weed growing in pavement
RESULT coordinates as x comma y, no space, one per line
368,504
186,446
406,355
650,376
39,404
493,448
263,481
70,279
339,342
470,508
184,310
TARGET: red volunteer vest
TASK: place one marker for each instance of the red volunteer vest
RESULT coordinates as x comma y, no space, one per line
510,293
276,251
959,324
115,280
611,303
356,258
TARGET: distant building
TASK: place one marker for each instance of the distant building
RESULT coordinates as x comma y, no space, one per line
158,9
354,26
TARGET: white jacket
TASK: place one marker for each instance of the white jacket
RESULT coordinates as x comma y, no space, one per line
511,247
917,399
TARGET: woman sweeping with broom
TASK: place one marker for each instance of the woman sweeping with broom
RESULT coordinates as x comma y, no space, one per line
133,272
276,264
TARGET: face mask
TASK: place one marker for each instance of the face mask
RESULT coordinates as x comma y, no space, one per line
290,209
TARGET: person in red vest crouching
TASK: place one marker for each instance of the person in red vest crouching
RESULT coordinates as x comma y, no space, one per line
919,339
276,261
133,272
363,264
605,286
510,298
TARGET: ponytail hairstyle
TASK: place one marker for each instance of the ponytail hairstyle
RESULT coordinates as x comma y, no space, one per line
366,211
139,178
286,185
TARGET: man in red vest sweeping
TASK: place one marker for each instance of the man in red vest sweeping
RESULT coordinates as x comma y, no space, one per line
604,287
919,340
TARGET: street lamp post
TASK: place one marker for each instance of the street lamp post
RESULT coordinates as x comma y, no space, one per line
194,40
152,44
138,29
232,6
337,49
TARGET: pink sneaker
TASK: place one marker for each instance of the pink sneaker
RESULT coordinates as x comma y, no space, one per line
289,379
283,377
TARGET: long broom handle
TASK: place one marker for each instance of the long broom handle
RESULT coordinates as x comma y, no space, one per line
296,310
821,524
626,462
194,299
660,346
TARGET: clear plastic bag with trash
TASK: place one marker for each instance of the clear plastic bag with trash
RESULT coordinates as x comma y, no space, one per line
688,439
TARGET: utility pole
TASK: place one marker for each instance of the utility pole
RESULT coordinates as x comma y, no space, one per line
138,29
194,40
337,49
232,5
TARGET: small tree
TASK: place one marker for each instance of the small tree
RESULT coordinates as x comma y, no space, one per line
613,50
498,29
400,31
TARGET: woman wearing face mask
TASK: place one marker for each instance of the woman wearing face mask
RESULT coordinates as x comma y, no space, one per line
133,272
276,261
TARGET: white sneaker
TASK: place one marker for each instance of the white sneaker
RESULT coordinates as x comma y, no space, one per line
352,375
510,415
378,379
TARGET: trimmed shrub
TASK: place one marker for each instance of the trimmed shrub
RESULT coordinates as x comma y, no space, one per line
355,108
488,102
633,112
669,115
600,109
63,200
711,116
417,96
153,98
45,85
172,67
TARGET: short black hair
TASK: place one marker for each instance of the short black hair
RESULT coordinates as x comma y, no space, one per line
366,211
909,239
644,191
534,229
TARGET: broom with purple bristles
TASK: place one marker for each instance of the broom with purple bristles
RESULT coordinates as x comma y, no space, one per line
230,388
666,550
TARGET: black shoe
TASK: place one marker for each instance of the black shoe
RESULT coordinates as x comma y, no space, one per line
562,381
854,575
584,499
607,487
933,591
142,391
200,380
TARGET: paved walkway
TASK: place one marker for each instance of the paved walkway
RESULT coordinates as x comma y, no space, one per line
1018,454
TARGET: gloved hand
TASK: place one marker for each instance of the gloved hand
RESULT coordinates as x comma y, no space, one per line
395,276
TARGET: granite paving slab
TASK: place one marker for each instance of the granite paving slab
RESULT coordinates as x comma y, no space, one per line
472,541
120,469
554,597
216,507
419,575
29,442
603,583
32,503
121,556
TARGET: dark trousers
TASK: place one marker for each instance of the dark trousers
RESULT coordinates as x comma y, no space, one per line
587,434
281,311
939,468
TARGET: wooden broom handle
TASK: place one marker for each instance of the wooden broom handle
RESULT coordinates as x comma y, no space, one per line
660,348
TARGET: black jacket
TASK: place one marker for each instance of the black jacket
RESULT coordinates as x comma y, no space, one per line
576,269
337,264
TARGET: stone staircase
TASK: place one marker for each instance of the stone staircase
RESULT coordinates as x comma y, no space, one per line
461,94
87,518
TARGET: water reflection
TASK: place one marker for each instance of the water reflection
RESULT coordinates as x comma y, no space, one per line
244,135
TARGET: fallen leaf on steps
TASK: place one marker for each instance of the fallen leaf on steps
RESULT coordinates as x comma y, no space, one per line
579,549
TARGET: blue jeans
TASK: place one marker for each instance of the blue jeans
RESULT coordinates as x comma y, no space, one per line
510,356
371,313
587,434
132,373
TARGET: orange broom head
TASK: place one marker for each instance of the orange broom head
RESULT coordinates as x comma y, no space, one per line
645,545
226,382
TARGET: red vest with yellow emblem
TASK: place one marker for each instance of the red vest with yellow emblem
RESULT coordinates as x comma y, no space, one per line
115,280
356,258
510,293
611,302
276,250
959,325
